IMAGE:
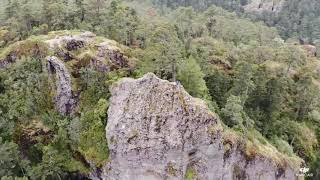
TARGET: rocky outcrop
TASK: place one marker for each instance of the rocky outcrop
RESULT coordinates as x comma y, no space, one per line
109,49
104,55
71,41
23,49
156,131
9,59
66,52
32,134
64,99
4,64
107,56
310,50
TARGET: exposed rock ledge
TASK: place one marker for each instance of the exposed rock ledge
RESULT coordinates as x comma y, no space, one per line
156,130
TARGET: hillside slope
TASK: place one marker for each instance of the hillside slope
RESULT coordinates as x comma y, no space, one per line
55,94
55,80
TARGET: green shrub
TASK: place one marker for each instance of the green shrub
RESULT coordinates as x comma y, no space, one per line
93,143
282,145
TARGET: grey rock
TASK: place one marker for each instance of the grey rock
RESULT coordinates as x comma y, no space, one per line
156,130
64,99
71,42
116,59
108,57
8,60
64,45
4,64
310,50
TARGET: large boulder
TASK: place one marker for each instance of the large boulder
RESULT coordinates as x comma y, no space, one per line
156,130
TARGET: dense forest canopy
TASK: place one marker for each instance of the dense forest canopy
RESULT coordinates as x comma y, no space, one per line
293,18
258,70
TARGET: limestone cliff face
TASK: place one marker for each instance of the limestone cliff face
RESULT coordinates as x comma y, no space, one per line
156,131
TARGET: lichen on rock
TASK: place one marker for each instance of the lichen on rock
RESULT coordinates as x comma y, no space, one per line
64,98
156,130
105,56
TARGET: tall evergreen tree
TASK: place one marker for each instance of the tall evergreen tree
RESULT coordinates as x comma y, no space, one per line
192,78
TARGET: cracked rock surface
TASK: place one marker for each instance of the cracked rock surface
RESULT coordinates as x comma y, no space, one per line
64,100
156,131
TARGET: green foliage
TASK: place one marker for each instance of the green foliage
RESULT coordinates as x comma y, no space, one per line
25,90
121,24
13,178
302,138
232,112
282,146
303,24
234,115
243,84
51,165
258,81
191,77
95,86
92,139
295,19
190,174
162,53
307,96
116,21
10,162
24,95
218,83
30,48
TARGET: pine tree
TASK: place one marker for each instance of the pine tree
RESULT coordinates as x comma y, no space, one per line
12,9
80,9
243,83
163,51
192,78
232,112
54,14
